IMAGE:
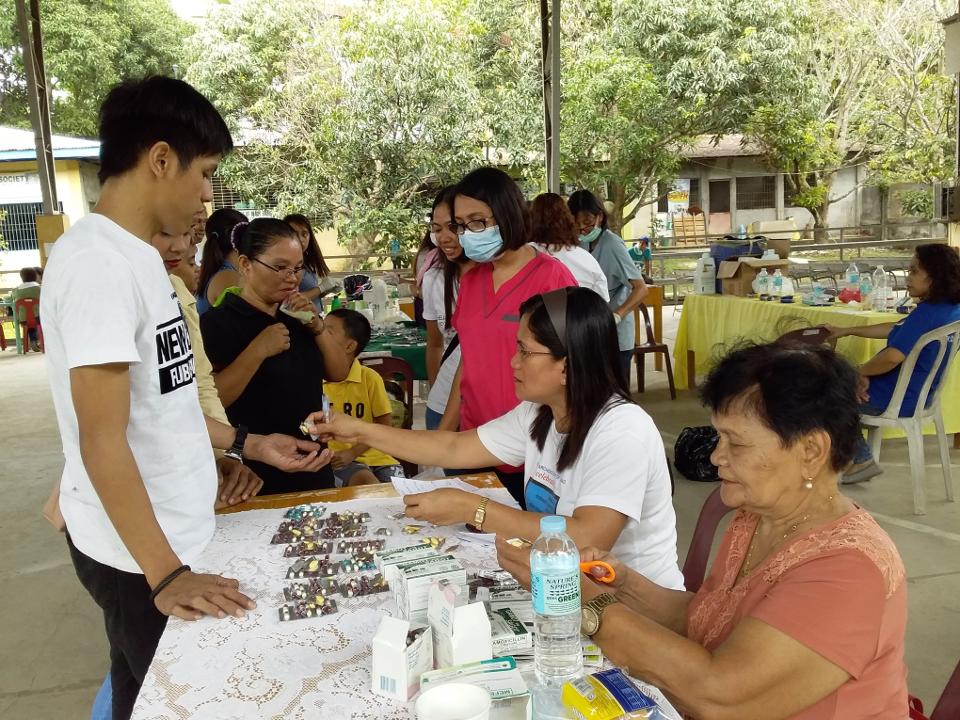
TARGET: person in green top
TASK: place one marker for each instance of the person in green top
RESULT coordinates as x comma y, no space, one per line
28,289
640,253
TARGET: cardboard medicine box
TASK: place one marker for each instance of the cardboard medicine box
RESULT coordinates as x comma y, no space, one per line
736,276
461,631
412,584
397,666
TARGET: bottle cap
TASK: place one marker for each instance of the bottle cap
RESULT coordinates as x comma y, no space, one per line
553,524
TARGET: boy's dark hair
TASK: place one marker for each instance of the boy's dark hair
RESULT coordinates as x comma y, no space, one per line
356,326
29,274
137,114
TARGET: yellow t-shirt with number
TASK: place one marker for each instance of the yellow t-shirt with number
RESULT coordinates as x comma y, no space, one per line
362,396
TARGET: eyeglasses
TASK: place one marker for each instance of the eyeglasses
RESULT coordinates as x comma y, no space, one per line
524,353
285,271
440,227
478,225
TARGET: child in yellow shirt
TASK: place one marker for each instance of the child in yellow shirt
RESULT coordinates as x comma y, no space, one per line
360,395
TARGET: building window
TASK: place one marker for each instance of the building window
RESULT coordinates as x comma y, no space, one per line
756,193
225,196
18,224
663,189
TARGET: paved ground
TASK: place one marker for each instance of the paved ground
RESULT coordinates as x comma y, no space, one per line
52,651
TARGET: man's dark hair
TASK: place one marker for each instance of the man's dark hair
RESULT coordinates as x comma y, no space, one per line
498,190
29,274
793,388
137,114
586,201
942,264
356,326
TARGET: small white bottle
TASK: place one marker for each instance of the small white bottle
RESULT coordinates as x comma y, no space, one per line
777,284
705,279
763,283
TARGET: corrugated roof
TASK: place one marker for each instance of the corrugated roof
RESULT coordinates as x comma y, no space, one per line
18,144
734,145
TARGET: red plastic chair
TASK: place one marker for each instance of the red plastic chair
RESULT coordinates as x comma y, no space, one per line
695,566
948,706
31,320
398,370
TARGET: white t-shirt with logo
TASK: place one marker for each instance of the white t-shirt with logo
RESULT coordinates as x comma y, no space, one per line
583,266
622,466
432,289
107,299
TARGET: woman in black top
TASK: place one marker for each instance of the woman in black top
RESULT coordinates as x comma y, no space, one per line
269,365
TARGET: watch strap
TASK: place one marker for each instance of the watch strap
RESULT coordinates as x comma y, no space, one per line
236,450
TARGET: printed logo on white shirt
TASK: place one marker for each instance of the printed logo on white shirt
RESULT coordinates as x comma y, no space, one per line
542,492
174,355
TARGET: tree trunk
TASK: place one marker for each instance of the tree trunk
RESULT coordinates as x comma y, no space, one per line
618,198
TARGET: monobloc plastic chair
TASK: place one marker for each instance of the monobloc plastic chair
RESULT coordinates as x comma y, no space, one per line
695,566
650,345
947,341
27,313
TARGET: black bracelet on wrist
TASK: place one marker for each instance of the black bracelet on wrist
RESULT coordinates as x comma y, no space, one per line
167,580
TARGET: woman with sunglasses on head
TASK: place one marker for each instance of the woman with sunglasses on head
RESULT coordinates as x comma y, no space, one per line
440,285
589,452
492,219
270,365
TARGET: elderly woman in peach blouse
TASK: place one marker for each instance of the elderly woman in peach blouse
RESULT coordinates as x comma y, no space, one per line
803,613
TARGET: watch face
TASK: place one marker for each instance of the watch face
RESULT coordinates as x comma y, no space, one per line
590,621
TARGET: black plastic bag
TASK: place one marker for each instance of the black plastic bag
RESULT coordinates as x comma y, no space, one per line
691,454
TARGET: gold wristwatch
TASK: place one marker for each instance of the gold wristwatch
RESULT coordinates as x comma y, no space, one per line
479,516
591,614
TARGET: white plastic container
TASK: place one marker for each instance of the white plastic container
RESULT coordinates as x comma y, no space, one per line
853,277
762,282
776,284
705,276
881,289
453,701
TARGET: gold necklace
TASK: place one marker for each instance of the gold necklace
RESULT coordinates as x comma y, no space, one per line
748,563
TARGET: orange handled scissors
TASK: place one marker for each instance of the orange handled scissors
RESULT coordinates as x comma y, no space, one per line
609,575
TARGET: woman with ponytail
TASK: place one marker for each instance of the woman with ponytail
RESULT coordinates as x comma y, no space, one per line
218,266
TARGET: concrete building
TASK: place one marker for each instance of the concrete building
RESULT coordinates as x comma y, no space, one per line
76,164
731,182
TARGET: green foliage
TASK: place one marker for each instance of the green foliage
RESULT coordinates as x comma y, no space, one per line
917,203
88,47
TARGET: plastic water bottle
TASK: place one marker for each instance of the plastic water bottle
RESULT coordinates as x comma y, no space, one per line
866,290
880,289
763,282
555,584
853,277
706,276
778,284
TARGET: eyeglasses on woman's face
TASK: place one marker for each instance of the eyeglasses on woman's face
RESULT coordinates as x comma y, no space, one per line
524,353
477,225
283,270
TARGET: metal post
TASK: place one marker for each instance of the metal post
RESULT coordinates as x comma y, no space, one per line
550,48
38,97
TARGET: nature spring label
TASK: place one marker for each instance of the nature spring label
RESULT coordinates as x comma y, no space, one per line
556,594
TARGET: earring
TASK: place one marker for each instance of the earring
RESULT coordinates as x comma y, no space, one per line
809,484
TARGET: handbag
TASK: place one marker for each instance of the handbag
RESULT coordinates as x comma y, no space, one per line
691,453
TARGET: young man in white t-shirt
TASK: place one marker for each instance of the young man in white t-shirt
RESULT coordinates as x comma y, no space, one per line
139,482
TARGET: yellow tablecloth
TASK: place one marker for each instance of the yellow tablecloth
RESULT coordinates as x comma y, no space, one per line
712,324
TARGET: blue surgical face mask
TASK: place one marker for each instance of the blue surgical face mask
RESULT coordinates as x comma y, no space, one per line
482,246
590,236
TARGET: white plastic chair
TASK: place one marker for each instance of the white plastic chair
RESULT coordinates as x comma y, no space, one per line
947,339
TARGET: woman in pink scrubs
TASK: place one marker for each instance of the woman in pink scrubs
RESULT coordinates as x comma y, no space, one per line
494,227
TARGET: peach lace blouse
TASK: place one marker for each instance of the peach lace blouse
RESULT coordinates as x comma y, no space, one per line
839,589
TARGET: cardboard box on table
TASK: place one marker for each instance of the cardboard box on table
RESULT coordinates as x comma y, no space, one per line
461,630
397,667
737,275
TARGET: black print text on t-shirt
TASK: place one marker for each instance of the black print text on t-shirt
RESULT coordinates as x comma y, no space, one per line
174,355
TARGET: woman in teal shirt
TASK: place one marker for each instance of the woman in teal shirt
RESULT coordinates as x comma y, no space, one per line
624,280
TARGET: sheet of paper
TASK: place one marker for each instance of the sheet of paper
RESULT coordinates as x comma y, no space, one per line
409,486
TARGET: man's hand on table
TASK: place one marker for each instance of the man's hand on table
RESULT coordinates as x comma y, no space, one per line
446,506
287,453
192,595
236,483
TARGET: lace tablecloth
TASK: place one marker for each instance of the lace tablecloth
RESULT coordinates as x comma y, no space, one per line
261,668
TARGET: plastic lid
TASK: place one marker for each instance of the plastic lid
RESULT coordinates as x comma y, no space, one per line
553,524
